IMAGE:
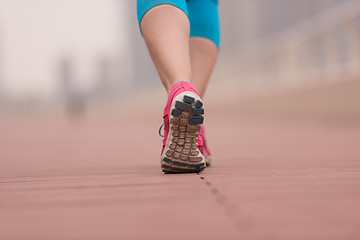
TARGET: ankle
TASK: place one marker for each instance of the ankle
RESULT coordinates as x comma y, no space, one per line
171,84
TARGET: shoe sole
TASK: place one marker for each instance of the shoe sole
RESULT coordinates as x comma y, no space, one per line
181,153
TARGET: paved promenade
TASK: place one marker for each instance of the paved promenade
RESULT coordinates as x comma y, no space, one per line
273,177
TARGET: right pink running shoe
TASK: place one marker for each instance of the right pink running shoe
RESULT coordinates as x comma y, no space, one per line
183,116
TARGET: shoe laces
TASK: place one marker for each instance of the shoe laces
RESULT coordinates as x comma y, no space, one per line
162,125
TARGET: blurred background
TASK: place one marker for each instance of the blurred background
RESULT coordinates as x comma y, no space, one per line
77,74
81,105
74,73
79,53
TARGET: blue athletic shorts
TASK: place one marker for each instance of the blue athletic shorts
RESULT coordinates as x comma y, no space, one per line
203,15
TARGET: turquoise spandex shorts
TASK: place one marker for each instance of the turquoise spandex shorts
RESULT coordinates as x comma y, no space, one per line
203,15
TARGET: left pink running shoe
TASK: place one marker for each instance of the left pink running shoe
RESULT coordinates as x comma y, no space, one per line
183,116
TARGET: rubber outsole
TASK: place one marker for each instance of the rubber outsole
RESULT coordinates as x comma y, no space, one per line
183,106
175,112
197,111
182,155
198,104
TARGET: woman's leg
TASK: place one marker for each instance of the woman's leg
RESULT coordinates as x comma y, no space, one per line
165,25
204,40
204,46
203,55
166,31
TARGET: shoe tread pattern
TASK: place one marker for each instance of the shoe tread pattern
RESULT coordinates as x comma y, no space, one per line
182,154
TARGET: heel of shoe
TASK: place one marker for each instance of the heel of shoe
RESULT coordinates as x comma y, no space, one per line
181,153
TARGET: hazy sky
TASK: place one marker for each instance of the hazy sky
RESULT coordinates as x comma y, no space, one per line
36,34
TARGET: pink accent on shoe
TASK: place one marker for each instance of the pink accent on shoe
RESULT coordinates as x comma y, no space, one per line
175,90
204,143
